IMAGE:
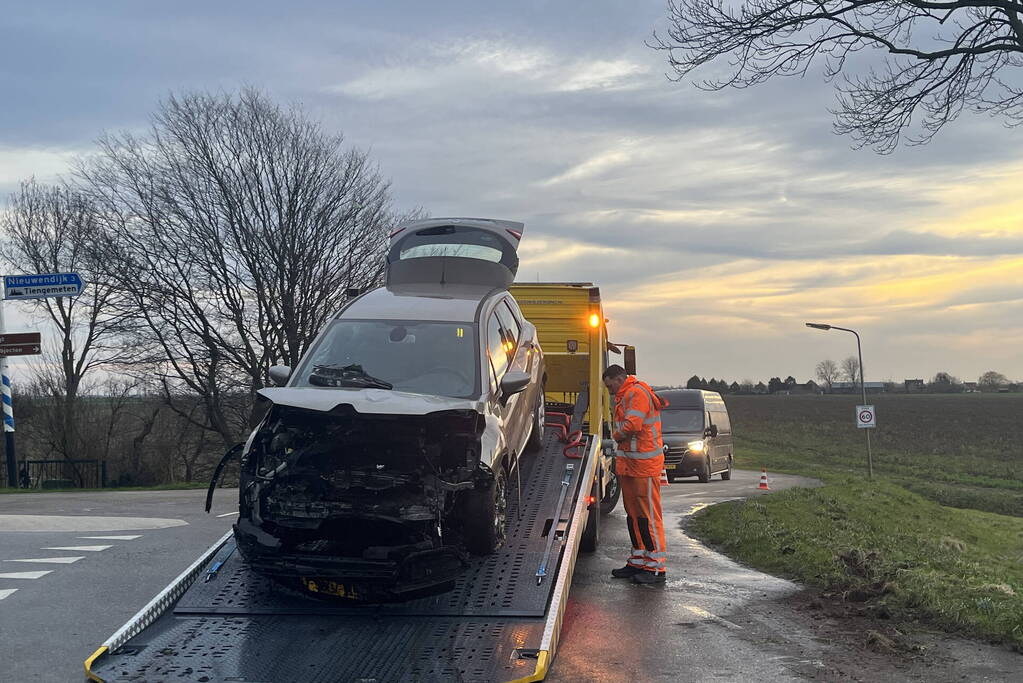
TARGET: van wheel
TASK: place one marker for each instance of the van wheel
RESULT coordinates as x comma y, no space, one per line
672,478
727,474
705,471
486,516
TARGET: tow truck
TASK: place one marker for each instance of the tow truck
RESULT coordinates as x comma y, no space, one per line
221,621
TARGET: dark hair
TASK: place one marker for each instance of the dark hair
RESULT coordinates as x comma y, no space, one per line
614,371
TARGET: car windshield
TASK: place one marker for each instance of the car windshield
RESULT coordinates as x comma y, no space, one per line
434,358
682,421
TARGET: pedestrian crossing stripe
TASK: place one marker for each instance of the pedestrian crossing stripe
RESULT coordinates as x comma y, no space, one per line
82,548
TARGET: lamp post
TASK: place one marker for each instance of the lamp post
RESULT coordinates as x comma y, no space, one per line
863,386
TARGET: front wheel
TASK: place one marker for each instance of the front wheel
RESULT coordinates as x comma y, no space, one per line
486,517
705,471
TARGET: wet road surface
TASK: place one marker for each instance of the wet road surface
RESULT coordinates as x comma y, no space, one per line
718,620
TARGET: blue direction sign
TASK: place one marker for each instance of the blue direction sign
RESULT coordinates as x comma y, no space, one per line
42,286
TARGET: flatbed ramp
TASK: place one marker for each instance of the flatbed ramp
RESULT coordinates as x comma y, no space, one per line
499,623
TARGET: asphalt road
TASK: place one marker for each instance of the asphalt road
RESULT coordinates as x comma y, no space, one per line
713,620
64,590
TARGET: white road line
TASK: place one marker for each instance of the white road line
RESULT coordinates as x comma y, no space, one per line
26,575
84,548
51,560
700,612
6,592
111,538
227,514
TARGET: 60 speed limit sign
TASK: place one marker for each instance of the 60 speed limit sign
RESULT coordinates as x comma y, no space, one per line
865,417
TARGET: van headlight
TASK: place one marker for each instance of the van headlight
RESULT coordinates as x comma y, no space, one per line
695,446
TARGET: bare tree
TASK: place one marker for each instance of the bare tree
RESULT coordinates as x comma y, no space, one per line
851,370
50,229
941,56
827,373
234,229
992,381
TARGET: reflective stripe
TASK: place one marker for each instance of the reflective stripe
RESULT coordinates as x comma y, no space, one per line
655,533
654,565
649,420
638,413
661,555
642,456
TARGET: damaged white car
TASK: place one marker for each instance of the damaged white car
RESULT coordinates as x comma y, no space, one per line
384,458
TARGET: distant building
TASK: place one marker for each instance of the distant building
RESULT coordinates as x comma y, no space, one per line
915,386
970,387
854,387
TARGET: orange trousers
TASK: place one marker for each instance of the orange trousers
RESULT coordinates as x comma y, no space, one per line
642,499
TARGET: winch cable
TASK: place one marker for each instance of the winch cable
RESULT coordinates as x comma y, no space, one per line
566,481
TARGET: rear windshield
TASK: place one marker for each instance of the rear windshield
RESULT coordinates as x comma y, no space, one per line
435,358
682,421
457,241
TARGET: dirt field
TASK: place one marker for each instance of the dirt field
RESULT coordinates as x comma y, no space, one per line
961,450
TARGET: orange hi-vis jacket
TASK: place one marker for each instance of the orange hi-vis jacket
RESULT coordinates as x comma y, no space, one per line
638,430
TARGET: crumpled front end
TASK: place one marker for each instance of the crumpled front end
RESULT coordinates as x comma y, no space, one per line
366,505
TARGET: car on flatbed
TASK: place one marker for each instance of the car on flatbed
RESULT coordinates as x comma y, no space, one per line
697,435
384,457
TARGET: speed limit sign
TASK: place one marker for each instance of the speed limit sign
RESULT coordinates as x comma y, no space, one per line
865,417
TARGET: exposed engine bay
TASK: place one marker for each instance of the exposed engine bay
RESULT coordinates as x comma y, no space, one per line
368,499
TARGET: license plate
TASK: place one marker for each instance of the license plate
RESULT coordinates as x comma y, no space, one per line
670,467
326,587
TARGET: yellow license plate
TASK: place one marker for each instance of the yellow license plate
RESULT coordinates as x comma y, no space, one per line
326,587
670,467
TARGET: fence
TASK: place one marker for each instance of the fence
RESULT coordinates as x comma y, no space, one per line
54,474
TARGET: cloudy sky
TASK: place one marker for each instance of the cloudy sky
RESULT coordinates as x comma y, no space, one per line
716,223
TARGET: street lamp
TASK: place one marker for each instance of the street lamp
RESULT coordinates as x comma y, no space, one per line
863,386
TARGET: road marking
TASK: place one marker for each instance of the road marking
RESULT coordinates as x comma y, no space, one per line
700,612
83,524
111,538
7,591
51,560
26,575
84,548
227,514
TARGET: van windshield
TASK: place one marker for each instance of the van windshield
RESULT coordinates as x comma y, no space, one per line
682,421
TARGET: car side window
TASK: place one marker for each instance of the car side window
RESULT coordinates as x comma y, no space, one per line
496,347
508,322
721,420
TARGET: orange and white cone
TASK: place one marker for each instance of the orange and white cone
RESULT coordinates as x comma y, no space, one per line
763,480
664,477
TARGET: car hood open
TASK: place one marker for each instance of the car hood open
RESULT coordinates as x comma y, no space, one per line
366,401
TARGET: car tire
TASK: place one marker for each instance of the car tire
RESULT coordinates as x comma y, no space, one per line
535,442
486,518
671,477
612,493
727,474
705,471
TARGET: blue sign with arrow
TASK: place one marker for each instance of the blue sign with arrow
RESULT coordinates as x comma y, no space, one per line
42,286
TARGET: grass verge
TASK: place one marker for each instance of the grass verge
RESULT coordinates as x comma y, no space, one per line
880,543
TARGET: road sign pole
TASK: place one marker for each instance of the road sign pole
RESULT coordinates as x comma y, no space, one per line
8,406
863,388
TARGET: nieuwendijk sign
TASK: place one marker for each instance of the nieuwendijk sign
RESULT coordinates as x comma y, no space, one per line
42,286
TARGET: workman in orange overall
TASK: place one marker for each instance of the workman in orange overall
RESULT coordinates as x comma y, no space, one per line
638,463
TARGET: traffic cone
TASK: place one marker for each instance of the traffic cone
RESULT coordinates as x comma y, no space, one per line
763,480
664,477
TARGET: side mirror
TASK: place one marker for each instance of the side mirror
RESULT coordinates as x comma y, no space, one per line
712,430
279,374
630,360
514,382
